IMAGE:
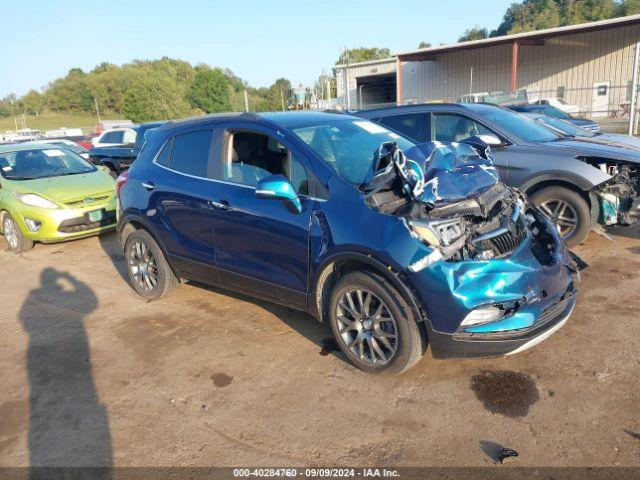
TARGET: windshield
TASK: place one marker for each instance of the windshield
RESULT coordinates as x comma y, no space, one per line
565,127
37,163
349,146
519,125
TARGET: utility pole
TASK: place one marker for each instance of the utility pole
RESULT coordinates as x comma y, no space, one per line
634,91
95,102
282,99
246,101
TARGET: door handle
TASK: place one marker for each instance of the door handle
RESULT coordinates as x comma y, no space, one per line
220,204
149,185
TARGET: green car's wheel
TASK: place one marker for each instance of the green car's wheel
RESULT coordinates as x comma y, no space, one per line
13,235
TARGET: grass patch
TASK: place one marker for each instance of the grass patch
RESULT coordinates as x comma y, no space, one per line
55,120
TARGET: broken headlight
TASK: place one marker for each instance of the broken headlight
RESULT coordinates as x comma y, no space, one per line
437,233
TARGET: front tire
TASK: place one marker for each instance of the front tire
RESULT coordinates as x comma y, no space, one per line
150,274
373,325
567,210
16,240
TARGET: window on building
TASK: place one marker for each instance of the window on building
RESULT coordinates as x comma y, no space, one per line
254,156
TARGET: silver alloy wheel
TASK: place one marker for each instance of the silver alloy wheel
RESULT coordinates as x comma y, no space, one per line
10,232
562,214
143,266
367,327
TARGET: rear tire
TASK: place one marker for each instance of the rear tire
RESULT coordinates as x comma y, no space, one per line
375,329
16,240
149,272
567,210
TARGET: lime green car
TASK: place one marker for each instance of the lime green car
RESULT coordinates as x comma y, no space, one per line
51,194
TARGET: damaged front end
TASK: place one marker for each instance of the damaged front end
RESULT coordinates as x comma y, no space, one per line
456,204
492,273
618,198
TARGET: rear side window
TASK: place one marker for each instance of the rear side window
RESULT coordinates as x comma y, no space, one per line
187,153
413,125
112,137
165,154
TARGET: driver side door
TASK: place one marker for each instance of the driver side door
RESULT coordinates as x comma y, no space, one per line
262,247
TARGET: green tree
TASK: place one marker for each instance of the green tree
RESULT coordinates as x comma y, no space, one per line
154,97
362,54
629,7
424,45
32,102
209,91
475,33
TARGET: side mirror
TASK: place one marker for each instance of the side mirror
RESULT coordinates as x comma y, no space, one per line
490,140
277,187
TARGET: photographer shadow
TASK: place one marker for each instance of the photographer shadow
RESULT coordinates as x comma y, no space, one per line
68,426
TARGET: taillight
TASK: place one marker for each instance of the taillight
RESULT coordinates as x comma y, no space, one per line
121,181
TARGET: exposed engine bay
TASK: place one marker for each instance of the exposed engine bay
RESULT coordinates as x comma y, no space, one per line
455,202
618,197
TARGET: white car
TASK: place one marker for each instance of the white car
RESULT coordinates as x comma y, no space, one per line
561,104
117,136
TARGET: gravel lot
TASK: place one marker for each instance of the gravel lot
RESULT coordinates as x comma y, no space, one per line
93,375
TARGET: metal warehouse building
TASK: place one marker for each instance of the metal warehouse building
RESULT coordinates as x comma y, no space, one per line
589,65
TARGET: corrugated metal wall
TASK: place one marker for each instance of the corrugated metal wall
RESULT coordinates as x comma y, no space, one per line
575,62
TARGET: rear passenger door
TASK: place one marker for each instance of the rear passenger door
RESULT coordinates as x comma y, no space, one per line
180,190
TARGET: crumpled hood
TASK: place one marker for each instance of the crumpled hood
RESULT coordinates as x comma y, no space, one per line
456,171
65,188
590,147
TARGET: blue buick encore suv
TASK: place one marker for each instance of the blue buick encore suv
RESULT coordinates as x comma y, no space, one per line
395,245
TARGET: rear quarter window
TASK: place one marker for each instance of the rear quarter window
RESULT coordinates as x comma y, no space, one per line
188,153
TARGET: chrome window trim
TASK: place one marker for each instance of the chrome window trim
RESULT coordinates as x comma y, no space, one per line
215,180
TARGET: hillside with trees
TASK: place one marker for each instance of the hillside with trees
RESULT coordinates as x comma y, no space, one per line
146,90
531,15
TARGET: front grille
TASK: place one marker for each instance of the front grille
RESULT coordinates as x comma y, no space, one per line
82,224
88,200
504,243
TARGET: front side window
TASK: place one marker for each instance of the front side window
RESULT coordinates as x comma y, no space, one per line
413,125
189,153
349,146
254,156
516,124
449,127
32,164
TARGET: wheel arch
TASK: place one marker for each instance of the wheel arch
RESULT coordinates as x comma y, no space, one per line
131,224
340,264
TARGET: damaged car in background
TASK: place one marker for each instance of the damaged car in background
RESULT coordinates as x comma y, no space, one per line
397,245
581,184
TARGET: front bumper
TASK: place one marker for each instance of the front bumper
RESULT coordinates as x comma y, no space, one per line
449,291
58,225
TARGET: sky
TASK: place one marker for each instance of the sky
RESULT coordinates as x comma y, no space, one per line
259,41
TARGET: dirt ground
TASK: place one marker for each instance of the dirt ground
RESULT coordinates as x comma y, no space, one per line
93,375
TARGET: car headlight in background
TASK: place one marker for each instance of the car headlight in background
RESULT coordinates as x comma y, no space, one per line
34,200
437,233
